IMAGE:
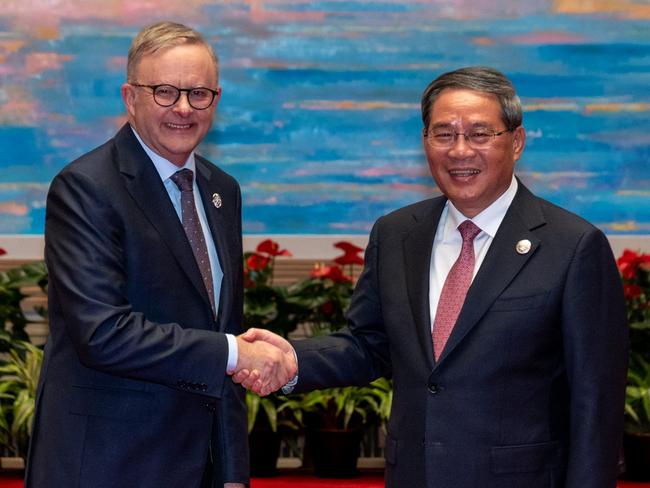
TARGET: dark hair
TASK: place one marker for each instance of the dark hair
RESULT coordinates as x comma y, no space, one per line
481,79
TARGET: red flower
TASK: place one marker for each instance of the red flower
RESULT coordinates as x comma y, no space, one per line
271,248
2,252
351,255
327,308
333,273
256,262
248,283
630,261
632,291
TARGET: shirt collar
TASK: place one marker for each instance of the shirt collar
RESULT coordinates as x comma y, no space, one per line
488,220
164,167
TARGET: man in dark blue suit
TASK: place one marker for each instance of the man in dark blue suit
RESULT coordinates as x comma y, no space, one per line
144,250
513,381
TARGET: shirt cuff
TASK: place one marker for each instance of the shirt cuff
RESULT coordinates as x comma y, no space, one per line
233,353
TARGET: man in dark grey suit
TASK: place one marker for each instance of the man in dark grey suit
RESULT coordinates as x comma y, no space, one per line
516,380
144,250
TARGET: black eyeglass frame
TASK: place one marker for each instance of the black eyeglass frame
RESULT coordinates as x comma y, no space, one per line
493,135
153,89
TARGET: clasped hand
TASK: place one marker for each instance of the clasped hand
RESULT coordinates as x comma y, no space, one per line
265,361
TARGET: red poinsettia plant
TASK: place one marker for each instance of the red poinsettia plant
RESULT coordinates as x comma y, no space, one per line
635,274
319,301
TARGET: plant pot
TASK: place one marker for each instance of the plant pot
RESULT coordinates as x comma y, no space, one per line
636,447
264,452
335,452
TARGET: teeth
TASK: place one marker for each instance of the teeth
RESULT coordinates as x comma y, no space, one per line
464,172
178,126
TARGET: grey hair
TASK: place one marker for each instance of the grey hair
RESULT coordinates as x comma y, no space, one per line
162,35
481,79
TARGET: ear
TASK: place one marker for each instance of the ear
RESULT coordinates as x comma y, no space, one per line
128,97
518,142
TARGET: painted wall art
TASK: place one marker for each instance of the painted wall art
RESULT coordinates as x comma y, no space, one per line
320,116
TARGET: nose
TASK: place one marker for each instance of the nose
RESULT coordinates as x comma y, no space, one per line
183,106
460,147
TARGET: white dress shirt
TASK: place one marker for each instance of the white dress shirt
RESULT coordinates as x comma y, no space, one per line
448,241
165,170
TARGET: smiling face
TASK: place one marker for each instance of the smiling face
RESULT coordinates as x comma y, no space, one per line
172,132
472,178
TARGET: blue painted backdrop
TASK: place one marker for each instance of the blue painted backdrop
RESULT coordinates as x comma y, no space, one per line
319,119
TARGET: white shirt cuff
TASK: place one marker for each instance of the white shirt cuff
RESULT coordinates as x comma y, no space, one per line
233,353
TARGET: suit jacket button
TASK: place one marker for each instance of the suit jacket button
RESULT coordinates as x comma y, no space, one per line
433,388
212,406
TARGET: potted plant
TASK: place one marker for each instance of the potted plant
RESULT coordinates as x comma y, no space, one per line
635,273
12,316
336,419
19,374
338,416
269,419
321,300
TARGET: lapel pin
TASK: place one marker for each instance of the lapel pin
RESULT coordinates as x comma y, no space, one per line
523,246
216,200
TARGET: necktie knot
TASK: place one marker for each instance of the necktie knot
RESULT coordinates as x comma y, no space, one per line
468,230
183,179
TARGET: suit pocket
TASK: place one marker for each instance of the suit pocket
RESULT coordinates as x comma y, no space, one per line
507,304
527,458
112,403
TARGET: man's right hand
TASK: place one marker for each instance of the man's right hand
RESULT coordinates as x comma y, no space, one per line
265,361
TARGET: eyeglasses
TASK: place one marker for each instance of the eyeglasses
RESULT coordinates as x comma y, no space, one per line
199,98
445,138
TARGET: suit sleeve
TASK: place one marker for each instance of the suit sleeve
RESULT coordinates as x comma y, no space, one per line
357,354
233,418
596,353
87,263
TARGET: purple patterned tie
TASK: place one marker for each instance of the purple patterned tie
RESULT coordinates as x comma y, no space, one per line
455,288
193,230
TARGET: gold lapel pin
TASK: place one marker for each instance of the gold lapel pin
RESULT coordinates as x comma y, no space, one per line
216,200
523,246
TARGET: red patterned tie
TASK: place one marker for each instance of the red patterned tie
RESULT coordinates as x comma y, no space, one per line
193,229
455,288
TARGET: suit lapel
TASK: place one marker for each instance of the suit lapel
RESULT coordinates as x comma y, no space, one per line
501,264
418,245
148,191
208,188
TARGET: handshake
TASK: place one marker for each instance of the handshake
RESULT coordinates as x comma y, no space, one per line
265,362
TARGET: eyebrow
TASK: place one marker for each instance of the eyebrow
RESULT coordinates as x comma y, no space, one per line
474,125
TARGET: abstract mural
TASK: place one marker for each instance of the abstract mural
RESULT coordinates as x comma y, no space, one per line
319,119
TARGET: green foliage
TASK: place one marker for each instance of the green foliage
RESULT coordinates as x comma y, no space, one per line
12,318
318,302
19,375
637,395
350,406
321,302
279,411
